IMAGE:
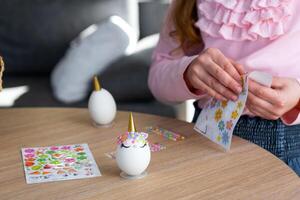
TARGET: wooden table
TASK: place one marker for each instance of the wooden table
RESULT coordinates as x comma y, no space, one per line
190,169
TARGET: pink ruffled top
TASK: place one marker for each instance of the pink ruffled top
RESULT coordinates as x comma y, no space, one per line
241,20
262,35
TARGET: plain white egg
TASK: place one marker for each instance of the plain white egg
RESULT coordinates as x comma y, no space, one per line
102,107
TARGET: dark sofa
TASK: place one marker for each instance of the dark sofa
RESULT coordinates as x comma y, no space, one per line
35,34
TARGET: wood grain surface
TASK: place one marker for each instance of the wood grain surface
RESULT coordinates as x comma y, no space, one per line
190,169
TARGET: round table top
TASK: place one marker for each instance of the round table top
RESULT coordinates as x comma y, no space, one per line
194,168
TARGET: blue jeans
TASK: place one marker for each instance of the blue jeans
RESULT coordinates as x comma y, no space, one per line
273,135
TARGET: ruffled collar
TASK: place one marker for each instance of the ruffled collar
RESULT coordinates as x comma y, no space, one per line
241,20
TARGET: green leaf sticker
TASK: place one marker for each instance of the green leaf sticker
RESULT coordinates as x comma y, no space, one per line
43,156
41,160
36,167
50,152
55,162
81,157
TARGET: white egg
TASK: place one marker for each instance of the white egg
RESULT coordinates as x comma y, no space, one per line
102,107
134,159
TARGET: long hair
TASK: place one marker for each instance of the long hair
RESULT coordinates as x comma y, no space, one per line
183,16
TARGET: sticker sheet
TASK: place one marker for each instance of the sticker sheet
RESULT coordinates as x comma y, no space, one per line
218,119
56,163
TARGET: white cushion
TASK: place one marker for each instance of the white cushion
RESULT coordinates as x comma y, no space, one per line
89,54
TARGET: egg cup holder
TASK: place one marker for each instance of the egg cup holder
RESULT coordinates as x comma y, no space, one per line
129,177
103,125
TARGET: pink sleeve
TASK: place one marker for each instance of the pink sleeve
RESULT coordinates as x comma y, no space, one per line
293,116
166,79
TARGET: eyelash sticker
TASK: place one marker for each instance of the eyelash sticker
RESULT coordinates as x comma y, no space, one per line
144,145
123,146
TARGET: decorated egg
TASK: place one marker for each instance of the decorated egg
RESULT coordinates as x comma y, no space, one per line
133,152
102,106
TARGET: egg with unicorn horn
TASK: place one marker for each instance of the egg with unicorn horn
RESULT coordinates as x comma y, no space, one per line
102,106
133,152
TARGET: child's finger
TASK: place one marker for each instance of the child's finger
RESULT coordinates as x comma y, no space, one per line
238,67
262,105
223,77
268,94
218,87
227,66
261,113
199,84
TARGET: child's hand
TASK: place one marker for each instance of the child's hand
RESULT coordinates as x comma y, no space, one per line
272,103
213,73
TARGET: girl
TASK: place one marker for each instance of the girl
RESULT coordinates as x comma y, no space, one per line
206,45
1,71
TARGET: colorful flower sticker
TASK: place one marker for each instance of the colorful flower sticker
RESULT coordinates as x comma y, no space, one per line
132,138
224,104
225,137
54,148
30,159
218,115
66,147
239,105
219,138
70,160
213,103
30,155
44,164
234,114
47,166
229,125
56,155
217,123
221,125
79,149
29,164
29,150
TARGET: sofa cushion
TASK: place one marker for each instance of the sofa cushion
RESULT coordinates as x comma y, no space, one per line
127,78
34,34
91,53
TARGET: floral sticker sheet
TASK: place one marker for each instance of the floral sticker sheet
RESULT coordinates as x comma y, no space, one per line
218,118
56,163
